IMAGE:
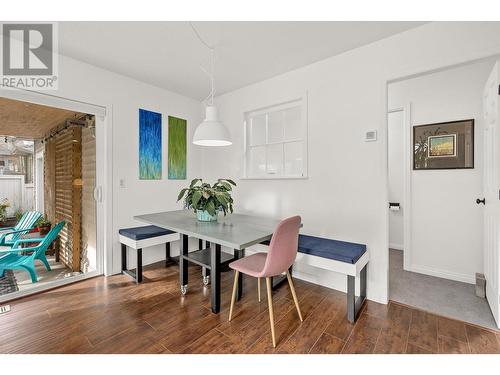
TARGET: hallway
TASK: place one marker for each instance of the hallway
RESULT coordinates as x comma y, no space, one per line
449,298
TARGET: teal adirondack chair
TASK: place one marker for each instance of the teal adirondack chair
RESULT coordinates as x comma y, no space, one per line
8,236
11,259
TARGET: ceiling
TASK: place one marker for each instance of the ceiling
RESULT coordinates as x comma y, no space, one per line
30,121
169,54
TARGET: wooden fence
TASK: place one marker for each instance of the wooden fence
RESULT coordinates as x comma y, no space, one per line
20,195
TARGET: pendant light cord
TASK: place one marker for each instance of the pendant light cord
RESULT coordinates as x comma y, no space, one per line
199,37
210,97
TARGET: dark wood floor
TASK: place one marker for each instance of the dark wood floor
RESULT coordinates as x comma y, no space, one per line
113,315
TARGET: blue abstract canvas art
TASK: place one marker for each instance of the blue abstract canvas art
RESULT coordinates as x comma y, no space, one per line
149,145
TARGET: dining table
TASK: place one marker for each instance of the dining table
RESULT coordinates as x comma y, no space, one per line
234,231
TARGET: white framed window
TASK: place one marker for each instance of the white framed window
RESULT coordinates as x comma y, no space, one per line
276,141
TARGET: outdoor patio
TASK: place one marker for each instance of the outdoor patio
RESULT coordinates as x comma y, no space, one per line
47,173
16,280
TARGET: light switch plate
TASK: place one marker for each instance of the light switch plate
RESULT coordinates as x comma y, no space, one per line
371,136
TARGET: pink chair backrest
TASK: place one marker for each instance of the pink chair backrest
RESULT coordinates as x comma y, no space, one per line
283,247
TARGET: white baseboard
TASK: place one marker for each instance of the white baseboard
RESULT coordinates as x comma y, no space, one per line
396,246
469,279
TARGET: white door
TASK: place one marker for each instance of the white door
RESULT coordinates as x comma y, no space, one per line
491,191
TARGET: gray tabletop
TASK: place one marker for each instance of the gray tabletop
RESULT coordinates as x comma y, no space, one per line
234,230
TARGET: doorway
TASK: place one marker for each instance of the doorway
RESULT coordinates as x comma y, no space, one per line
64,181
436,226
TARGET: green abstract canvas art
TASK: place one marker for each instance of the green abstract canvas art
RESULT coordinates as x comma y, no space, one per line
176,148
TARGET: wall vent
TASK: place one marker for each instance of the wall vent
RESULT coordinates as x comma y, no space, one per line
4,309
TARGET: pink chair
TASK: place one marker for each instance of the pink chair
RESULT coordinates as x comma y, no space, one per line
281,255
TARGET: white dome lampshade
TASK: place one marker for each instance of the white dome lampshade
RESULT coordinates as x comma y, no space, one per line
211,132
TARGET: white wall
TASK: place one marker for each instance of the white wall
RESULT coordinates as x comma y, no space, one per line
396,162
345,196
124,96
446,222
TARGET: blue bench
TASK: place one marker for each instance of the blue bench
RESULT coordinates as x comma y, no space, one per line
348,258
138,238
343,257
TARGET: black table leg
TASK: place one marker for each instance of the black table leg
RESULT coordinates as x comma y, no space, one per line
238,254
183,263
215,288
138,270
167,254
206,276
124,257
205,272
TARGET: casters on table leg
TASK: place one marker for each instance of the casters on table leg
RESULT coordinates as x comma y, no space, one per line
184,289
206,280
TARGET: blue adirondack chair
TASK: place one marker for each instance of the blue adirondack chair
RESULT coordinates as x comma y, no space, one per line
9,236
11,259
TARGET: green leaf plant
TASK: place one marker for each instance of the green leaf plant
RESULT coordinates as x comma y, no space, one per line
212,198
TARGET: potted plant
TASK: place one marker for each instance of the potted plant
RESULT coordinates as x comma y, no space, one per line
4,204
18,214
207,200
43,225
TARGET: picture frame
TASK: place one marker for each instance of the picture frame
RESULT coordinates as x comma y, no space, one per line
444,145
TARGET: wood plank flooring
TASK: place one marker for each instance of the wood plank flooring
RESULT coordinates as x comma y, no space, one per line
114,315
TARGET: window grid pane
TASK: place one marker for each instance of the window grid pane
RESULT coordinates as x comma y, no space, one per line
275,143
258,130
275,127
257,160
293,159
274,159
293,121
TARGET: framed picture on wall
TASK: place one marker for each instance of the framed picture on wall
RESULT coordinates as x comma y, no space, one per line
444,145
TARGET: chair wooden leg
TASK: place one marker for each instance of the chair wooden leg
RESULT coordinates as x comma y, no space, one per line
233,297
271,311
290,282
258,287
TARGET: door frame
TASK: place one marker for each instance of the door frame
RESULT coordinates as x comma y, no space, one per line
407,136
491,266
384,89
104,180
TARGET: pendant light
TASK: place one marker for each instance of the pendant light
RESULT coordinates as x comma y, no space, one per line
211,132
